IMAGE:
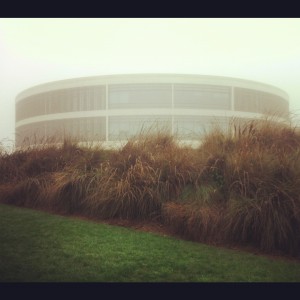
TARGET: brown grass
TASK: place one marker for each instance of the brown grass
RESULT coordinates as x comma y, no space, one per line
240,186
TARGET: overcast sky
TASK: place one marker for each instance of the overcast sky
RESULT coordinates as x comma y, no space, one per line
35,51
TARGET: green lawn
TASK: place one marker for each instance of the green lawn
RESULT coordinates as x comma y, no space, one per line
37,247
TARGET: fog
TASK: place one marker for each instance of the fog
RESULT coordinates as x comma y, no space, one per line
35,51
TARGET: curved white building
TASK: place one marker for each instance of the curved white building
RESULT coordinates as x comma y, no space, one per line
113,108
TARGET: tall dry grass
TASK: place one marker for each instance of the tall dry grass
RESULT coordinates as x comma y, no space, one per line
241,186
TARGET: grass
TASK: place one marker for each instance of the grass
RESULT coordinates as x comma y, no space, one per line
41,247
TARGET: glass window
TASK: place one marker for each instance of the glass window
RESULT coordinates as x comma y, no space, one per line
259,102
202,96
84,129
124,127
139,96
30,107
31,134
99,128
60,101
99,97
193,127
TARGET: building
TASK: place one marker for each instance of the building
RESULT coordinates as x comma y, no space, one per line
113,108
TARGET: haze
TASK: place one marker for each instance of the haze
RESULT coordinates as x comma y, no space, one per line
34,51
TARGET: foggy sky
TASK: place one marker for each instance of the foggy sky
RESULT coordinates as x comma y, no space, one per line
35,51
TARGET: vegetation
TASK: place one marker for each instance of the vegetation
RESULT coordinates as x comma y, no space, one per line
39,247
239,187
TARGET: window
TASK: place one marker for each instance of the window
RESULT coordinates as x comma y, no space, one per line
259,102
99,128
30,107
126,127
139,96
193,127
60,101
202,96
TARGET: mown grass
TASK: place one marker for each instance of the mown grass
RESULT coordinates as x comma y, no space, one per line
239,187
41,247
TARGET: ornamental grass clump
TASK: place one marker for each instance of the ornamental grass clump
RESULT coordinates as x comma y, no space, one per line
263,174
129,186
130,194
247,191
241,186
264,204
28,192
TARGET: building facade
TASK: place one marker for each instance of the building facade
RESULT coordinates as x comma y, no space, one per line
112,108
